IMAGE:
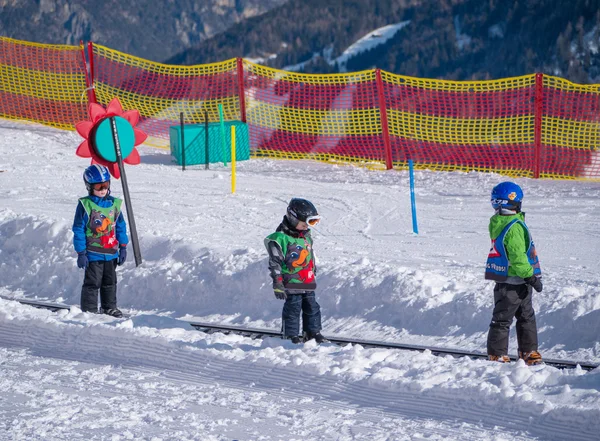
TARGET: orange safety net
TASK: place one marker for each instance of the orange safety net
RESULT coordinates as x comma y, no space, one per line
42,83
161,92
570,130
462,125
326,117
535,125
530,126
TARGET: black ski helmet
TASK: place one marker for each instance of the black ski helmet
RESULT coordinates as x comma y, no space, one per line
299,210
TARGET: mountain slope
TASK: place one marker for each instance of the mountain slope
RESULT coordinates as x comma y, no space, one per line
452,39
149,29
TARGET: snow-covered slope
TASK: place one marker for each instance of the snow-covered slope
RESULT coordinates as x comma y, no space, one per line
369,41
204,259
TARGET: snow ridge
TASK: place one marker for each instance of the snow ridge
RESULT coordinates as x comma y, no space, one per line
407,384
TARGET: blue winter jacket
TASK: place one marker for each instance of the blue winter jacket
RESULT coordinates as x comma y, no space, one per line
80,223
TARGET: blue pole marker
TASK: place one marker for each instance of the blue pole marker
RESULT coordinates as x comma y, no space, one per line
413,203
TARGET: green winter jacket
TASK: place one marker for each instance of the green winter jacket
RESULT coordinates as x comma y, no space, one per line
516,243
292,261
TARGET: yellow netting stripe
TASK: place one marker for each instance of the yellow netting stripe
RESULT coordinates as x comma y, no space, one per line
41,84
312,79
23,119
165,69
570,133
557,176
315,122
54,47
460,86
169,109
322,157
566,85
464,131
156,142
380,164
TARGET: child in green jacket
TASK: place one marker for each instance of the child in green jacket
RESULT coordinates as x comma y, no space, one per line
293,270
514,265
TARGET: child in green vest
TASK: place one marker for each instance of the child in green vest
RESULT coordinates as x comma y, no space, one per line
293,270
513,264
100,240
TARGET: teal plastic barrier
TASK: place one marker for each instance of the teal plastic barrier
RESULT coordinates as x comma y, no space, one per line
195,149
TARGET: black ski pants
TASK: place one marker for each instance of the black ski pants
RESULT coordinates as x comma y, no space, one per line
99,275
512,301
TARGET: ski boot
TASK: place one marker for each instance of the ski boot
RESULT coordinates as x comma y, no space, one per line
499,358
531,358
113,312
317,336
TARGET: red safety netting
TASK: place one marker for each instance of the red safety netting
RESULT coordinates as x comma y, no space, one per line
161,92
327,117
570,130
535,125
42,83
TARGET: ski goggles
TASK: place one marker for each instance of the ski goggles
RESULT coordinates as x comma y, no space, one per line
313,220
101,186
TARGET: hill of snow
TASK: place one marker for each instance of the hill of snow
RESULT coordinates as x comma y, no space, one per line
71,375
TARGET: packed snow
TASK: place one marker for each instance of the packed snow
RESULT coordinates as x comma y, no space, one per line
70,375
367,42
371,40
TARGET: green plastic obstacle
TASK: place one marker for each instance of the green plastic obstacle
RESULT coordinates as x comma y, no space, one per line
195,143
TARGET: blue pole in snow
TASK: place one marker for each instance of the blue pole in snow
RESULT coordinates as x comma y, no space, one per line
413,203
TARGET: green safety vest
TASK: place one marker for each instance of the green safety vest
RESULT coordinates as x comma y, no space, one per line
100,230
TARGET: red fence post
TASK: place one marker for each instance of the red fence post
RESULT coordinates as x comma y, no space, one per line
92,91
240,76
384,120
87,74
537,123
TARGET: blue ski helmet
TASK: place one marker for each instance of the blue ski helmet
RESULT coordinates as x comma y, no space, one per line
507,196
95,174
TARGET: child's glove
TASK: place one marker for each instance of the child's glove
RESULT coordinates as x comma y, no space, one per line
278,289
536,282
82,260
280,293
122,256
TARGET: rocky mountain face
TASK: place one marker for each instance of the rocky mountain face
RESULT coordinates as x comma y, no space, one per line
150,29
451,39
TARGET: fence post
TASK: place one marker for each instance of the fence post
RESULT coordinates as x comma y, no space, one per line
384,120
92,91
242,92
537,123
182,126
87,74
206,152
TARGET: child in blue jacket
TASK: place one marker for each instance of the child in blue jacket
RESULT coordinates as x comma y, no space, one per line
100,240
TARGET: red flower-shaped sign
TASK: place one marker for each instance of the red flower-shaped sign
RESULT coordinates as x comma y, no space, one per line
88,149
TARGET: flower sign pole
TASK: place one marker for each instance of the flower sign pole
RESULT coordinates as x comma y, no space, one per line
110,140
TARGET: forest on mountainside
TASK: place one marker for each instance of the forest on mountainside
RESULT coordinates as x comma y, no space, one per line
452,39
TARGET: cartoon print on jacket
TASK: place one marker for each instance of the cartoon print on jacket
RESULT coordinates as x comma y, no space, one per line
103,232
296,257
